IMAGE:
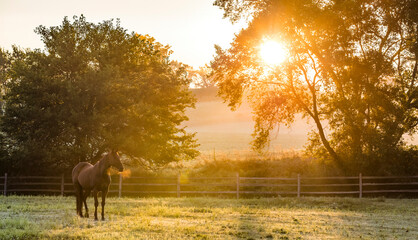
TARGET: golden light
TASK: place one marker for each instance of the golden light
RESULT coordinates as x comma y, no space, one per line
273,53
126,173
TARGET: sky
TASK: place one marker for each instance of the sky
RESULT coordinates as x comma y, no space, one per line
190,27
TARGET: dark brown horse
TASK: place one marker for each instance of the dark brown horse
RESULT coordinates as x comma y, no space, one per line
96,178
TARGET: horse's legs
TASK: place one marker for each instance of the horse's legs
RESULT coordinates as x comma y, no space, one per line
104,193
96,203
78,195
79,205
86,194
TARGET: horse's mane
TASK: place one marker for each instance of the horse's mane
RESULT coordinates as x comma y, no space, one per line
102,158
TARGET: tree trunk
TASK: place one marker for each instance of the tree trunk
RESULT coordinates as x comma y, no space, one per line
325,142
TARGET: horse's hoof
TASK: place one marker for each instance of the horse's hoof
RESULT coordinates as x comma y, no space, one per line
96,219
103,219
86,215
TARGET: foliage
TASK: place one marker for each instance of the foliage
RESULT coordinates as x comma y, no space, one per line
352,71
4,69
95,87
4,66
275,165
201,77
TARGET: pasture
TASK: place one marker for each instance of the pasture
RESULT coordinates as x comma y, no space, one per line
48,217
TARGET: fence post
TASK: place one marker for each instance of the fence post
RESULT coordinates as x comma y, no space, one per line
120,185
62,185
237,185
360,185
298,185
178,185
5,185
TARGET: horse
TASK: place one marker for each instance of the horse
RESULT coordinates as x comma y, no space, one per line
87,177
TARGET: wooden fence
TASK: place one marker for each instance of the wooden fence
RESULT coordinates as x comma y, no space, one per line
236,186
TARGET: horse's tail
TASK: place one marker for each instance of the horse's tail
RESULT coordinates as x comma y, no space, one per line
77,187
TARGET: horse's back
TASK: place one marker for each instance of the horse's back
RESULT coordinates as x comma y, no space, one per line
77,170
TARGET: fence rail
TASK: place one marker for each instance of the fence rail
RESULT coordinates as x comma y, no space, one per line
233,186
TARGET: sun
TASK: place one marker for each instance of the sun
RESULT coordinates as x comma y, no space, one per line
272,52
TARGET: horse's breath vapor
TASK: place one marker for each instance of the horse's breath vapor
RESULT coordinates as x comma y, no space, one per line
126,173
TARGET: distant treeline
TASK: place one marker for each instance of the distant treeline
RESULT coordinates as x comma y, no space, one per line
206,94
286,164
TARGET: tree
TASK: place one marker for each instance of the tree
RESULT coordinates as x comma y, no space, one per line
4,68
93,88
351,70
201,77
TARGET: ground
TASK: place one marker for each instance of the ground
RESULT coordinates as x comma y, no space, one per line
36,217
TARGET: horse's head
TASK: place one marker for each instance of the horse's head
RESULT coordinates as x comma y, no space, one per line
114,160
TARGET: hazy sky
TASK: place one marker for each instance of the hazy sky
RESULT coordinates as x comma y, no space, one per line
190,27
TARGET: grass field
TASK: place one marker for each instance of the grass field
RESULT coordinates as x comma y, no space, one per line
211,218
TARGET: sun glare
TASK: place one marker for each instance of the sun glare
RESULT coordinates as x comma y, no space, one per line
272,53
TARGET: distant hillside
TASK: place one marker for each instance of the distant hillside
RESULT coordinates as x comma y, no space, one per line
206,94
218,128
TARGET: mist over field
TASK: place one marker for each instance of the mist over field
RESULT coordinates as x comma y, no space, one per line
220,129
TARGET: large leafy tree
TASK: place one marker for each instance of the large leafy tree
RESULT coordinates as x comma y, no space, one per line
351,70
93,88
4,68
